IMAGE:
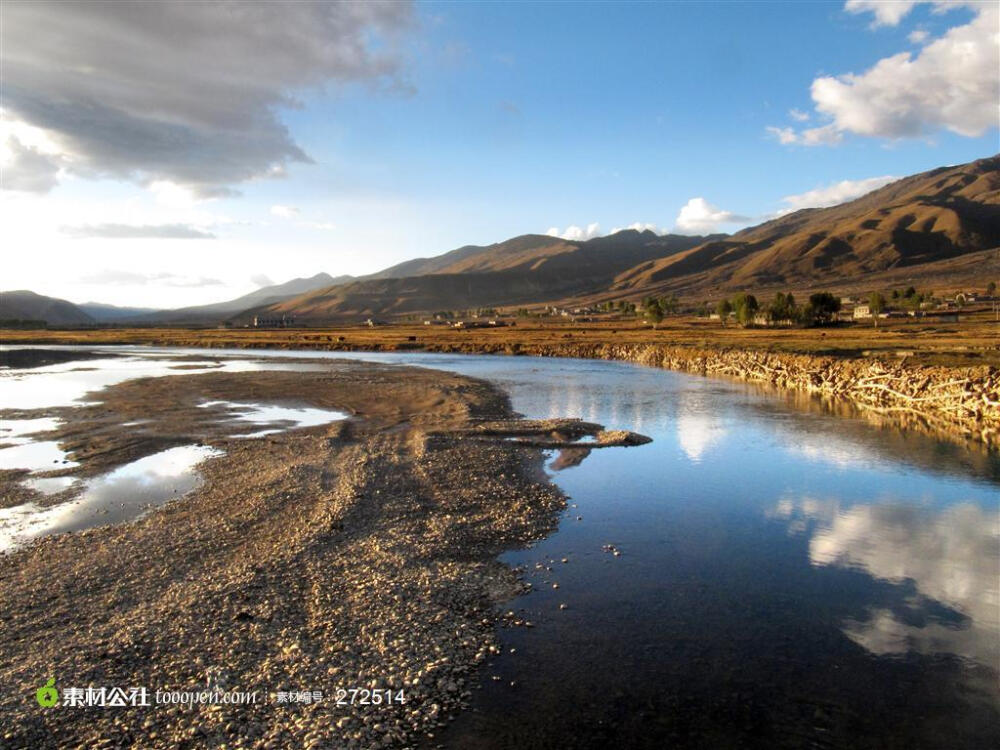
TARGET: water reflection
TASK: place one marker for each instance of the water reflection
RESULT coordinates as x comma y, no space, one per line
68,383
275,416
735,618
696,433
50,485
35,457
17,431
949,556
830,449
568,458
120,495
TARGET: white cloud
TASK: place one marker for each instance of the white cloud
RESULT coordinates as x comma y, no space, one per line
887,12
798,115
172,195
825,135
186,92
918,36
28,169
285,212
838,192
261,279
323,226
785,136
639,226
575,233
952,83
131,278
698,216
137,231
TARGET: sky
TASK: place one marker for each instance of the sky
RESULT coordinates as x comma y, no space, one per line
170,154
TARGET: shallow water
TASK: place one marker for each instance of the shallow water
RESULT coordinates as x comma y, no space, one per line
35,456
786,578
123,494
68,383
276,417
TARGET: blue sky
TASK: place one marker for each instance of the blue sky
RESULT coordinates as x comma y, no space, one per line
496,119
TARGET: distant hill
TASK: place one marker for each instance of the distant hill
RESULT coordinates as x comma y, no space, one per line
931,218
523,270
261,297
111,313
25,305
940,227
935,226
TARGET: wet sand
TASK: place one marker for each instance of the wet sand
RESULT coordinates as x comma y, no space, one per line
356,554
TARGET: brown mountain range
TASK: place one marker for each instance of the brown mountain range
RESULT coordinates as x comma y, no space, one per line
939,228
924,219
524,270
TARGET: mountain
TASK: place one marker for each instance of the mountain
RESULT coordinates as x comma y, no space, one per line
522,270
25,305
438,264
932,218
112,313
938,226
261,297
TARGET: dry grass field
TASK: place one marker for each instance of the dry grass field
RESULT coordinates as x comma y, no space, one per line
975,340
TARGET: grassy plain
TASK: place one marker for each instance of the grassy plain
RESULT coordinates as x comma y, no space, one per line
975,340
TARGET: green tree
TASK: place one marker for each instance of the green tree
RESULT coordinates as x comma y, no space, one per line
782,307
876,304
823,306
724,308
654,313
745,306
991,288
669,304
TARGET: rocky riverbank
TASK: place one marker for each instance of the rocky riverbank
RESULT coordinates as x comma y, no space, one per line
957,401
355,556
944,400
952,402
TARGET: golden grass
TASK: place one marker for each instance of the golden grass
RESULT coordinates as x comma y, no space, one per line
973,341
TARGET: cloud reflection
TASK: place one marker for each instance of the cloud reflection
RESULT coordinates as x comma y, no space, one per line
120,495
697,432
952,556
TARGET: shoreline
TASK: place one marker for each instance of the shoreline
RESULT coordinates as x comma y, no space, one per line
357,554
955,402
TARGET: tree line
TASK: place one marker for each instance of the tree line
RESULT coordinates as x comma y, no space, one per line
821,309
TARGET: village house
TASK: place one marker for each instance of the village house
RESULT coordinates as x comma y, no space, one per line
282,322
765,320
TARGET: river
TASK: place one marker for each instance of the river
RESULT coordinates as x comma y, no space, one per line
762,574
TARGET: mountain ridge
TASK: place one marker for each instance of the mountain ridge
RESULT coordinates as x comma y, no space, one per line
935,226
25,305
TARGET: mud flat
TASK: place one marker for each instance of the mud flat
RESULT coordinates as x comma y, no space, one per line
355,554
